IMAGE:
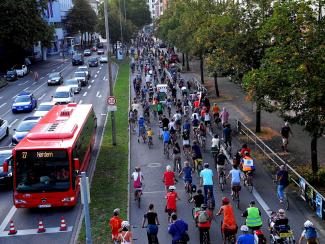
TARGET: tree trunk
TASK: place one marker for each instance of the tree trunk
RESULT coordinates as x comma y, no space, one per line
201,69
187,63
183,59
314,163
258,118
216,87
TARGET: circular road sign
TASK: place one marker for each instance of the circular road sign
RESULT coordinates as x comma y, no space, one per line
111,100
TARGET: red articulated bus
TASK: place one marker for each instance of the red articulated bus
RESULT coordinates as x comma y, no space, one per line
48,159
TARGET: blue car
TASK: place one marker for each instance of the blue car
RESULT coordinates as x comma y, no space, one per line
24,128
24,102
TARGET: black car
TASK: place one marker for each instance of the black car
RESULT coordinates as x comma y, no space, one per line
100,45
93,62
78,59
55,78
11,75
6,166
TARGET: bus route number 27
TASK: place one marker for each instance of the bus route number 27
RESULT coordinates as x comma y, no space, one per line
24,155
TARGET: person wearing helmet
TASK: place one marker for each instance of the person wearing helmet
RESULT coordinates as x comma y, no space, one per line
203,219
171,197
125,235
236,176
229,226
309,234
206,179
115,223
285,133
245,237
137,177
279,220
253,217
244,149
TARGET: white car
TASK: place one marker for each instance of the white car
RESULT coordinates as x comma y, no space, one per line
103,59
85,69
21,70
63,95
74,83
43,109
4,128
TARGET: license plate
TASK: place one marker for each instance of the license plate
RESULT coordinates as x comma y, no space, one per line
44,205
19,108
285,234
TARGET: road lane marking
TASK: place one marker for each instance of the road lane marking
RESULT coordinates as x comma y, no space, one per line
98,94
97,71
4,104
1,97
102,114
12,123
26,89
9,110
9,216
92,81
95,76
26,232
84,94
89,86
34,83
154,165
42,77
80,102
100,67
104,78
262,202
41,97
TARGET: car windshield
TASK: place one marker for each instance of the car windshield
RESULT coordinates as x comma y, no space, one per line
26,126
42,171
71,82
3,157
79,74
45,107
22,99
92,59
62,94
77,56
10,72
54,75
82,69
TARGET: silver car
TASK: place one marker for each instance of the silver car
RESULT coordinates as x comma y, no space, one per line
74,83
4,128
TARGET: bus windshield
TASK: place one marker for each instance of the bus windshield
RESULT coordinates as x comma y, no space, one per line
42,171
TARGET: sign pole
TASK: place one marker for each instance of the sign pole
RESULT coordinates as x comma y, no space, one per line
110,77
84,199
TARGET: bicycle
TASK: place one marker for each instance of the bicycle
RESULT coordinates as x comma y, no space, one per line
137,194
150,144
188,190
222,179
248,181
228,236
202,141
166,150
235,195
198,165
177,163
187,152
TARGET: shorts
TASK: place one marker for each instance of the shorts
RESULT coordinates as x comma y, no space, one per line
187,180
285,141
160,112
235,186
186,142
178,122
142,131
219,167
170,211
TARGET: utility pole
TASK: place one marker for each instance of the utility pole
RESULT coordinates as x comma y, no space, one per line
121,28
109,68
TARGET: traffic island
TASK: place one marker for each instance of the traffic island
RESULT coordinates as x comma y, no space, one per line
109,185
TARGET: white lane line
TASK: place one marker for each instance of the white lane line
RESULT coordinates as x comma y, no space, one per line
98,94
12,123
97,71
26,232
42,78
26,88
84,94
80,102
262,202
103,114
9,110
95,76
89,86
1,97
100,67
4,104
41,97
92,81
104,78
34,83
8,218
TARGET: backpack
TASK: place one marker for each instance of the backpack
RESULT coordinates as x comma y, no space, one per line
310,233
203,217
137,182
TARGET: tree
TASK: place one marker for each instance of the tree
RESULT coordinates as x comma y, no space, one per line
22,26
137,11
81,18
292,70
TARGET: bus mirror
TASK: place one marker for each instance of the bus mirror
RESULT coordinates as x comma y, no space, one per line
76,164
5,167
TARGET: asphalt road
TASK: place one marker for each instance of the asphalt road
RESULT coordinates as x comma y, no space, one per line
153,164
26,220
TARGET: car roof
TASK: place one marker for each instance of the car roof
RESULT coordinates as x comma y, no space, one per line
82,67
24,93
54,73
63,88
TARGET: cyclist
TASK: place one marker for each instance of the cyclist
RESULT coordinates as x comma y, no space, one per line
207,119
169,103
137,177
220,162
166,137
165,121
203,218
178,229
141,128
169,178
244,149
245,237
187,171
229,226
186,141
279,220
197,155
150,134
178,120
177,157
186,126
235,175
309,233
215,112
202,113
282,177
206,179
215,146
198,199
253,217
171,197
152,228
224,116
247,164
160,108
226,132
202,130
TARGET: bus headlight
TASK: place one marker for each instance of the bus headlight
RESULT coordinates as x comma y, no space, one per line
68,199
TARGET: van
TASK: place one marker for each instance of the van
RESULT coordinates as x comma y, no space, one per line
63,95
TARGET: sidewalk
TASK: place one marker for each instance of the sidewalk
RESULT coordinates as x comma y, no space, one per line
233,98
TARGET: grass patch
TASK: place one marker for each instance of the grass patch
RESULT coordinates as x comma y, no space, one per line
109,186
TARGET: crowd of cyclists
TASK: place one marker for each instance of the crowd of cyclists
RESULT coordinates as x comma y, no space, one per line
186,120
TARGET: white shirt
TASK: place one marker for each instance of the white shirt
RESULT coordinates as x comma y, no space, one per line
177,116
171,124
215,142
136,106
195,114
207,117
135,176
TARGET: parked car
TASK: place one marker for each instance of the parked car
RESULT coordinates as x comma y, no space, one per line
94,49
43,109
93,62
55,78
21,70
103,59
87,52
100,45
4,128
23,128
77,59
6,166
74,83
11,75
82,77
63,95
25,101
84,69
100,51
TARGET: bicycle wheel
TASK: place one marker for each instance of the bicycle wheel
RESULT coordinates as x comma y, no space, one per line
205,238
221,182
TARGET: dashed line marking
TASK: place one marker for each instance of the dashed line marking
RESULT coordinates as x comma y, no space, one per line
80,102
84,94
97,71
89,86
92,81
34,83
12,123
41,97
95,76
2,105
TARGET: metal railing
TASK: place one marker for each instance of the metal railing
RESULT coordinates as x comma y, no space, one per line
308,193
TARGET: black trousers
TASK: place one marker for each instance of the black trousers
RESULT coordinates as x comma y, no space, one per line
204,231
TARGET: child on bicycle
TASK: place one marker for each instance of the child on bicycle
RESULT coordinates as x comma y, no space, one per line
150,134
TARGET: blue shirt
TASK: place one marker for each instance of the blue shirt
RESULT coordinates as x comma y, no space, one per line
245,239
187,173
235,175
177,229
186,126
141,122
207,175
166,136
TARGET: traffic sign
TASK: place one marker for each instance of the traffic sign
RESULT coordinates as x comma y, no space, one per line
111,100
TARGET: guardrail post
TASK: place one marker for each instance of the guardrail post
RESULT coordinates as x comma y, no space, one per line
239,126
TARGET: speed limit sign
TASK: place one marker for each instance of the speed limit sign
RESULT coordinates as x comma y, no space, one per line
111,100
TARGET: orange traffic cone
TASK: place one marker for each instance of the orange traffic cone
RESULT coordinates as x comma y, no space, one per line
12,229
63,225
41,228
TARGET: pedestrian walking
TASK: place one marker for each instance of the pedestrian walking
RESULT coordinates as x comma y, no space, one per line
115,225
224,116
206,179
285,133
178,230
151,218
282,177
227,135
